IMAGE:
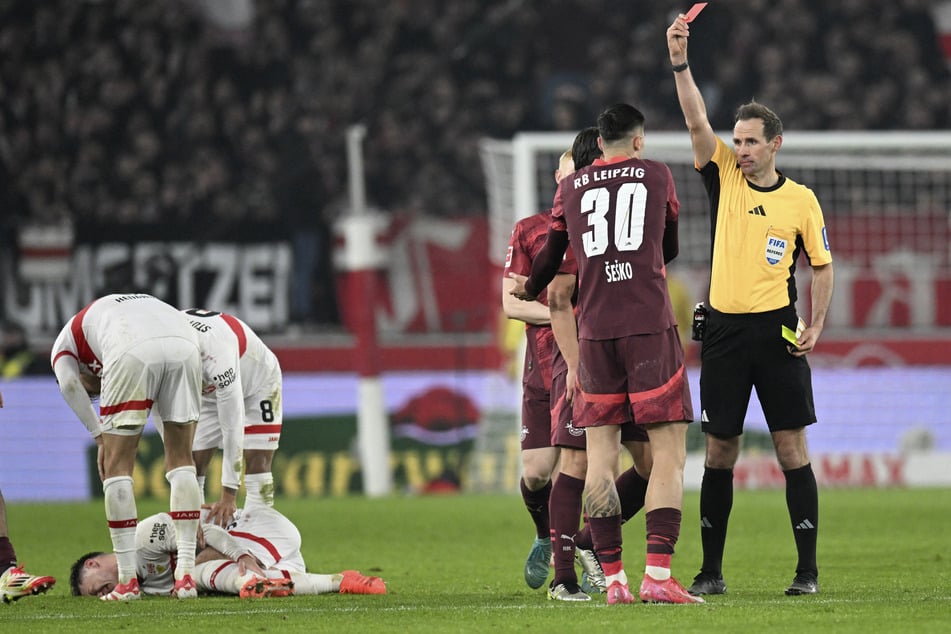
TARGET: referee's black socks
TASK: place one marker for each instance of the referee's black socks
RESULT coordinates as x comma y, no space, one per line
716,503
802,499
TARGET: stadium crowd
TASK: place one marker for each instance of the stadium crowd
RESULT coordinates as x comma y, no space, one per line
218,113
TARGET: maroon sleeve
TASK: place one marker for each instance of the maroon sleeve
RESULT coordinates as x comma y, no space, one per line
558,211
671,242
548,261
569,265
673,203
517,259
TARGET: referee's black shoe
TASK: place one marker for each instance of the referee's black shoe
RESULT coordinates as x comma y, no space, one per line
804,583
707,583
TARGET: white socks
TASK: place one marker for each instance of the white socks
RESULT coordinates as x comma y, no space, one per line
122,516
223,576
185,508
658,573
220,576
621,576
259,489
310,583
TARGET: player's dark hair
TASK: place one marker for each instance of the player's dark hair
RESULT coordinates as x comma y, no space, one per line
772,125
619,121
76,572
585,148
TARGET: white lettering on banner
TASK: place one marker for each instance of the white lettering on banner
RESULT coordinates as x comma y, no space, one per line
98,262
908,280
225,261
257,283
411,276
846,470
899,290
250,280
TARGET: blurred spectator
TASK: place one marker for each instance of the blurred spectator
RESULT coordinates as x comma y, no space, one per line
302,197
231,114
16,356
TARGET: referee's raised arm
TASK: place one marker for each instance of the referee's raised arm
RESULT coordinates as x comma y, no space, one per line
702,136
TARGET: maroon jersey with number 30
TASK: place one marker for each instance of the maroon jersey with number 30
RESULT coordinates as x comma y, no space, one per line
615,214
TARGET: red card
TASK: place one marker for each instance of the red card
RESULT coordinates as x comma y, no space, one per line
694,12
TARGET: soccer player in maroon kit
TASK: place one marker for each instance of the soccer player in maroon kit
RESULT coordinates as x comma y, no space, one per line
620,215
565,501
539,456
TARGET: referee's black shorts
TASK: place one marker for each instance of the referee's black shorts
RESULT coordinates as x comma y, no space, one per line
740,352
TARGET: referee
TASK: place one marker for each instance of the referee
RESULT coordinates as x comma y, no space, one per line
760,222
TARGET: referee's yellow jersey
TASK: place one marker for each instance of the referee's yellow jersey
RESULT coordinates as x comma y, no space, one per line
757,234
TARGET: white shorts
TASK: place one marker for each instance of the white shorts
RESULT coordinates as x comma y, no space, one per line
271,538
162,373
263,418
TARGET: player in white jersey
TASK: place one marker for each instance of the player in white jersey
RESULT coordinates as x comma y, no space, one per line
258,556
240,408
141,355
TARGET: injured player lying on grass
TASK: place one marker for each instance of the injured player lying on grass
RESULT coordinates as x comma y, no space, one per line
257,556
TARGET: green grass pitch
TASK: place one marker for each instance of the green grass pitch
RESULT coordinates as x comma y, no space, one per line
454,564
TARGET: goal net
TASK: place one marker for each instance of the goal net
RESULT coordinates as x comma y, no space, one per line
886,198
880,193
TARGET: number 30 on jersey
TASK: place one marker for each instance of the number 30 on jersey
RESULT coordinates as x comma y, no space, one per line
629,213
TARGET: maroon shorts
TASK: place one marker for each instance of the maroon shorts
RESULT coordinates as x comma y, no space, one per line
564,431
642,374
536,418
